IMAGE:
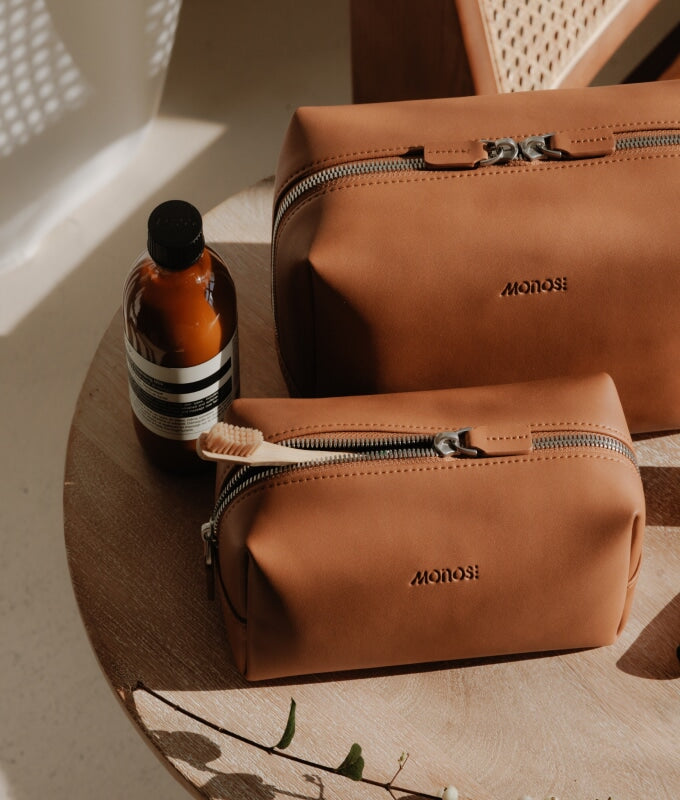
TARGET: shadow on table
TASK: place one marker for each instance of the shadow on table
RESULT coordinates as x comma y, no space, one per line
199,751
662,494
655,652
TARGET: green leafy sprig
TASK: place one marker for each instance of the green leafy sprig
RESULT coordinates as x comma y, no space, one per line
352,766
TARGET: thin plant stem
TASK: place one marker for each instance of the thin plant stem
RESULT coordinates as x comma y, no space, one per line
388,787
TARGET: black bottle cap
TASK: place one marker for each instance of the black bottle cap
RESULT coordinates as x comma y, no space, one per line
175,235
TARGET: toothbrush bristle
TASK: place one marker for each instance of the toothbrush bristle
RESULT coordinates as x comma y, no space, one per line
232,440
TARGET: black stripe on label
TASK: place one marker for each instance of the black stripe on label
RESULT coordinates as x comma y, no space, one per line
178,388
179,410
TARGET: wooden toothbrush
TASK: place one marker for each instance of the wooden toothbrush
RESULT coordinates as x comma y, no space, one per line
239,445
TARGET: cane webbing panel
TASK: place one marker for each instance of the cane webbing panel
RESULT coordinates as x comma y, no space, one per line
533,43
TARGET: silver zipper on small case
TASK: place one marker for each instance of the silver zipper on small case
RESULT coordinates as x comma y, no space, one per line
446,444
583,439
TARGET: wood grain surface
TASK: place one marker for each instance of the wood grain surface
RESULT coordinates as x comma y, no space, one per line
580,726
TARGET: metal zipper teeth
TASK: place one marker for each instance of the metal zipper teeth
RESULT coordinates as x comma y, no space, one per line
385,448
648,140
400,164
406,163
378,450
564,440
364,446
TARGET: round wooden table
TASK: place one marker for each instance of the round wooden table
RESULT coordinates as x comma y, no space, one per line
580,726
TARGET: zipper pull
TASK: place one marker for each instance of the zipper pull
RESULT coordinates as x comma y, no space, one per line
566,145
500,151
485,441
549,146
541,147
208,537
454,443
538,148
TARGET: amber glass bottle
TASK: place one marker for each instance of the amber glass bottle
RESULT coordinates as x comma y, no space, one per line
180,323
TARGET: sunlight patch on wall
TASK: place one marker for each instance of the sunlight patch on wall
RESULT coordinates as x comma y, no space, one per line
39,80
161,22
80,82
170,146
5,790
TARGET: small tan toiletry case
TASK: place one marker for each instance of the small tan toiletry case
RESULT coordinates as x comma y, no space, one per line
458,523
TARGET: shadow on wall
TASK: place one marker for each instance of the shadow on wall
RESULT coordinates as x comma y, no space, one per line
79,81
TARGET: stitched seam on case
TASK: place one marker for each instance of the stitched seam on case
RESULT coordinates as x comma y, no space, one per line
249,628
367,426
535,168
611,125
449,150
632,581
591,139
319,162
311,277
232,608
275,249
528,169
398,147
472,464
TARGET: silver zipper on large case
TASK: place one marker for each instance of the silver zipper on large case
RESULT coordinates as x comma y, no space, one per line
446,444
500,152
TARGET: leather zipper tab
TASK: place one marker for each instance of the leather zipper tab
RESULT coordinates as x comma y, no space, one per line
484,441
465,155
584,144
505,440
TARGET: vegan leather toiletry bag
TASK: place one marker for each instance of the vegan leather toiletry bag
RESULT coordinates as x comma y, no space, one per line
461,523
480,240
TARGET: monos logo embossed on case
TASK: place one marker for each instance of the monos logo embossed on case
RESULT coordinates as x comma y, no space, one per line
536,286
427,577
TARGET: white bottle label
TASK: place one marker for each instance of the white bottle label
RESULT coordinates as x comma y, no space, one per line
181,402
